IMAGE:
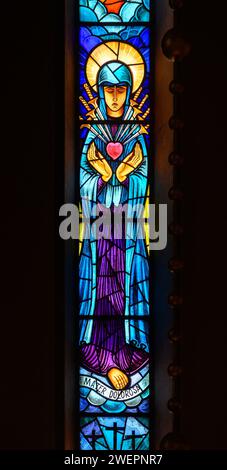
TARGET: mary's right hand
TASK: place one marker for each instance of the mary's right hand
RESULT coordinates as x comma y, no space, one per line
99,163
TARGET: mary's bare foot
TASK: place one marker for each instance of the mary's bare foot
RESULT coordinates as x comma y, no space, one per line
117,378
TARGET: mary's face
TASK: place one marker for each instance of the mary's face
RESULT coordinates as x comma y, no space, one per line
115,97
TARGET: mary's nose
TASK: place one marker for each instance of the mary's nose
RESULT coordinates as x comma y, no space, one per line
115,93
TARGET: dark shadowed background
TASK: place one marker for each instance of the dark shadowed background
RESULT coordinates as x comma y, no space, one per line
31,260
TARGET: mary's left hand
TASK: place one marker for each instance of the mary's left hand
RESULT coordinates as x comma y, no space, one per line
130,163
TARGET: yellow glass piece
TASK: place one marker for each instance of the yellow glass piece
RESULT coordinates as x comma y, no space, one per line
92,70
137,72
100,164
117,378
146,216
128,54
81,230
130,163
103,54
114,46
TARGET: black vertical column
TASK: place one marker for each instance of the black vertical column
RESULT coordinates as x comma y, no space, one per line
204,321
31,145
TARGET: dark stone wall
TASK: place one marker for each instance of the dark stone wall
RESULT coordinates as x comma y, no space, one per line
31,149
204,413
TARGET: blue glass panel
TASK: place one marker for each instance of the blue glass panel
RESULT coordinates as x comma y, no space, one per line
115,11
114,433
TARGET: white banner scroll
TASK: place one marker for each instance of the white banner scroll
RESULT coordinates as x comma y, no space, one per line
116,395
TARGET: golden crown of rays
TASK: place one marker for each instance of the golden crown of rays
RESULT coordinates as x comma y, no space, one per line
115,51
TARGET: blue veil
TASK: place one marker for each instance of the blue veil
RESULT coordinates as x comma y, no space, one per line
114,73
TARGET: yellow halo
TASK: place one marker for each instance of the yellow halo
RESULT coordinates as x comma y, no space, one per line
115,51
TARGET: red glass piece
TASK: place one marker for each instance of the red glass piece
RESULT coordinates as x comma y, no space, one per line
113,6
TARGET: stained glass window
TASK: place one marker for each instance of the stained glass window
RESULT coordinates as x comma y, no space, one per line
114,270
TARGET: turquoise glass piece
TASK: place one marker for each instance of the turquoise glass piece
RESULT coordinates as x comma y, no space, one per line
112,11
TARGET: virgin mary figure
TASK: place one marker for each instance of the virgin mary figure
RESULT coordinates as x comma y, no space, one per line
114,272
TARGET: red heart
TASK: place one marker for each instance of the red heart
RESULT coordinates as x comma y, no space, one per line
114,150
